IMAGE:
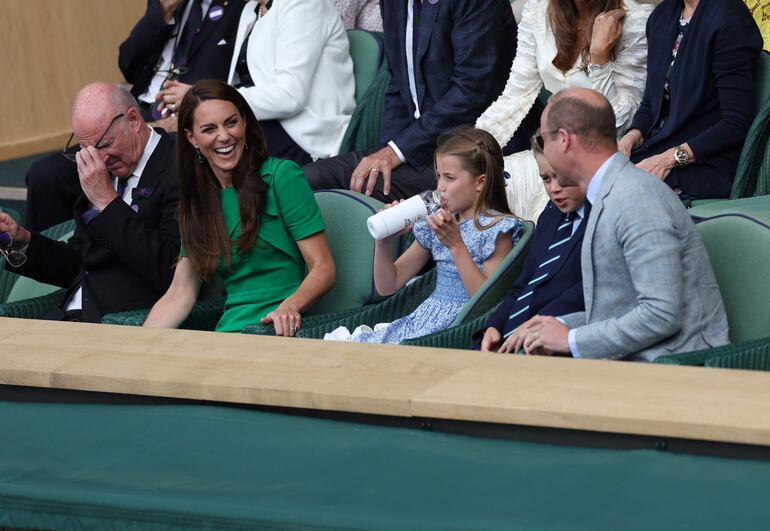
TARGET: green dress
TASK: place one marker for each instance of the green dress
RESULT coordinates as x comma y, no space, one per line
258,281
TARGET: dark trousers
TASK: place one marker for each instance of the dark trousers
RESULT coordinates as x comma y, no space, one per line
281,145
335,172
52,188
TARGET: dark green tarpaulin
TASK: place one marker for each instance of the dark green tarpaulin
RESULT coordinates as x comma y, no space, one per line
194,467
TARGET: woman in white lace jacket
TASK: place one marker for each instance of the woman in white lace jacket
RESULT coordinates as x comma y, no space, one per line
612,61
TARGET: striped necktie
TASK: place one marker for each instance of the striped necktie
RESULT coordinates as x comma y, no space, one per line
519,311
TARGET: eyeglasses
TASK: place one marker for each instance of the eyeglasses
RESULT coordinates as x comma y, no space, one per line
69,151
537,138
14,258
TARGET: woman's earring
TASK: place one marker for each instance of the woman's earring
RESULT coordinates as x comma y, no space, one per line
199,156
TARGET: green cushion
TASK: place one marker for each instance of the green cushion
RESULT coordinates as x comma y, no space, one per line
69,466
366,52
757,208
762,79
352,247
739,251
363,132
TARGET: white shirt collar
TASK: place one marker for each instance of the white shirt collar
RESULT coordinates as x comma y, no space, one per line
149,147
596,181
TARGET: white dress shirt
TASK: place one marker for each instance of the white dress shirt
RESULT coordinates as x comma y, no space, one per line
621,81
409,47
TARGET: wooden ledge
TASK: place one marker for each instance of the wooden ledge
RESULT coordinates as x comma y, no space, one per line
632,398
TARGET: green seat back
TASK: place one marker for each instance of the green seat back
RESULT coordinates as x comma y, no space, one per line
738,246
22,288
363,132
352,247
754,207
762,80
494,288
366,52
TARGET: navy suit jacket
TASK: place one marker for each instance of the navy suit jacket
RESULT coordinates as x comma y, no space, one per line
712,91
208,58
462,60
562,292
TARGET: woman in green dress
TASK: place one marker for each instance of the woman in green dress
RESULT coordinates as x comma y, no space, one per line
249,218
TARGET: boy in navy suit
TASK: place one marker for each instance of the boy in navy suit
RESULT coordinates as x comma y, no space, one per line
551,281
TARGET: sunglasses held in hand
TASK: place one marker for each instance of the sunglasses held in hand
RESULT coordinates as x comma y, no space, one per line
14,258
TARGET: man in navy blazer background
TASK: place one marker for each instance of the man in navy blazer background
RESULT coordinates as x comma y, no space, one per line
144,58
551,281
449,59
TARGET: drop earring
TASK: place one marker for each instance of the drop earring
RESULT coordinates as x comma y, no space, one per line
199,156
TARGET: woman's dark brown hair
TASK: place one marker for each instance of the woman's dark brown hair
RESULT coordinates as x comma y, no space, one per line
563,16
201,223
480,154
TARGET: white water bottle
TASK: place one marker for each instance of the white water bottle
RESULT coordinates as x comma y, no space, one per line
397,218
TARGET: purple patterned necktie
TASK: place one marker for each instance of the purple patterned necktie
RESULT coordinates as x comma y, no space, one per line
191,27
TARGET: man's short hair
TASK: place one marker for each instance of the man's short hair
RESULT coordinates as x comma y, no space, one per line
593,122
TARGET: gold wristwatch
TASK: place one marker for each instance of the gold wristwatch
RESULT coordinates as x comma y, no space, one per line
681,157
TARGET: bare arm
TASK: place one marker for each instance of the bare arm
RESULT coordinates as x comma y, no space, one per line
390,276
472,277
174,306
320,278
447,230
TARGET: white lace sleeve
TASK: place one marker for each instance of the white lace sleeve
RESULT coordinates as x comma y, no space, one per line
504,116
622,81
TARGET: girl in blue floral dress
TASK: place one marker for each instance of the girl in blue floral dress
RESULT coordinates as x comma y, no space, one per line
468,238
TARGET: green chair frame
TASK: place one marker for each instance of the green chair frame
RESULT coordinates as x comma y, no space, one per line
470,319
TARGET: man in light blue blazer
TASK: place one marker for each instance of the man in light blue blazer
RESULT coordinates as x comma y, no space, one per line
648,284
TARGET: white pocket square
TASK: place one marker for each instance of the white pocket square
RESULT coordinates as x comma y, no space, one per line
222,42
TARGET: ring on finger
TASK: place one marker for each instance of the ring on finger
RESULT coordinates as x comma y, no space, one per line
374,170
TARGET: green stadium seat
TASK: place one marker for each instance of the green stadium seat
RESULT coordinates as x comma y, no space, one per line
363,132
352,248
409,297
738,244
366,52
756,358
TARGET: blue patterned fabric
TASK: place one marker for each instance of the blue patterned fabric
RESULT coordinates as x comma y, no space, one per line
439,310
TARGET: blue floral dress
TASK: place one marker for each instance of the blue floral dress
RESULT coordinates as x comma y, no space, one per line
439,310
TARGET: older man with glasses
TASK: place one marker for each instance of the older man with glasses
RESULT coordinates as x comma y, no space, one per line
126,237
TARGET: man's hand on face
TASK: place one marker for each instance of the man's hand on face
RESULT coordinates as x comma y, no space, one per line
94,178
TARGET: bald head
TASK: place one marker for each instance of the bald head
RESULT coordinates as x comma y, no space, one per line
585,112
100,102
108,118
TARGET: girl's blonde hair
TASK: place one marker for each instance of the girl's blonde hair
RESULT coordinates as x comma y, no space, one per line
479,154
